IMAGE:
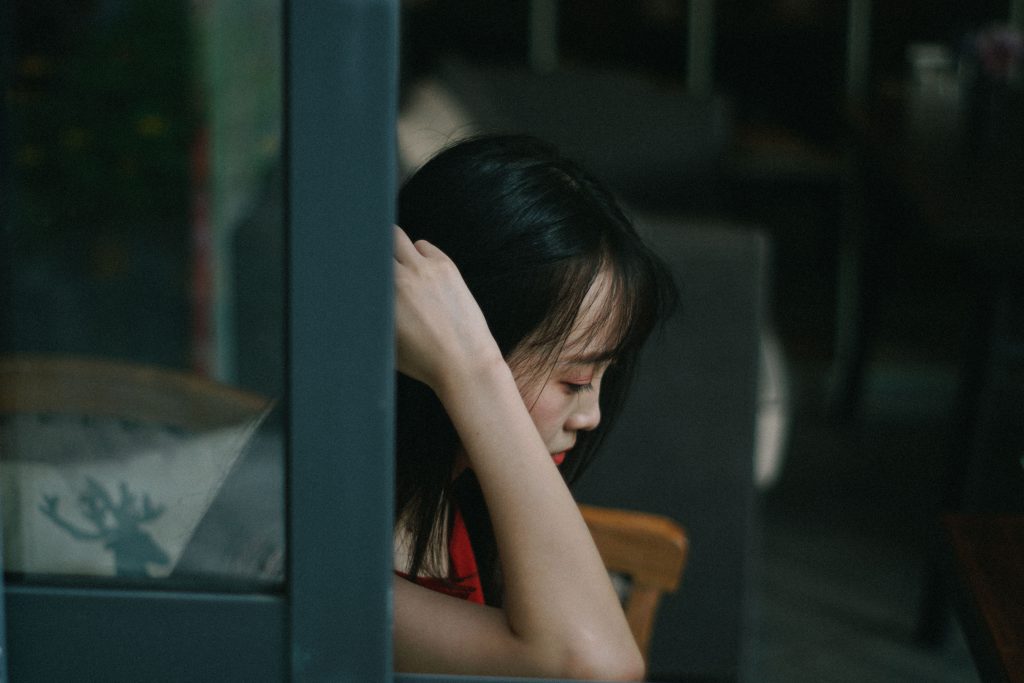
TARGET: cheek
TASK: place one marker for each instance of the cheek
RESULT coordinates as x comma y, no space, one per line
549,411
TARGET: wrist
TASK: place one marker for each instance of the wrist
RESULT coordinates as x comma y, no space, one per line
481,372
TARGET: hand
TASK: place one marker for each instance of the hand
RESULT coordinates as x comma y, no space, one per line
438,324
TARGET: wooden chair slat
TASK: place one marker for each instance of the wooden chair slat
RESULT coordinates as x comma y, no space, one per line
650,549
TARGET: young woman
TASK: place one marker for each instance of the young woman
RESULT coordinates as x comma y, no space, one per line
523,295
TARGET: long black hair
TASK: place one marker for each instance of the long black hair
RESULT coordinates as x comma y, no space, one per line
530,232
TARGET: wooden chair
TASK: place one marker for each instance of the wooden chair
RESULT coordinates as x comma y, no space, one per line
650,549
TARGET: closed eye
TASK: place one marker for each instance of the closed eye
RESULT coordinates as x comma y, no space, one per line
575,388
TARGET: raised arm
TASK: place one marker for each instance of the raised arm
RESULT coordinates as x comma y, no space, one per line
561,617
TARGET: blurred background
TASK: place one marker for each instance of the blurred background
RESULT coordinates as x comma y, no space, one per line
871,152
877,149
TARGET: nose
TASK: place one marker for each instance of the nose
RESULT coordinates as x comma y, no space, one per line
586,414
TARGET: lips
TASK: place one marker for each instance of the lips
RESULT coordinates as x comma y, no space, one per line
559,458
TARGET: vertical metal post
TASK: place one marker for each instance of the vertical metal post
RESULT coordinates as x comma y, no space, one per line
858,47
543,35
700,78
6,216
341,103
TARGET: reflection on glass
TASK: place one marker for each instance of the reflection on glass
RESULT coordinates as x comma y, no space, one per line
140,356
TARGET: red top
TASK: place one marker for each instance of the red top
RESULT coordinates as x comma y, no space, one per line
466,581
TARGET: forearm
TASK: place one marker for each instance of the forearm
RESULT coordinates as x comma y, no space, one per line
557,591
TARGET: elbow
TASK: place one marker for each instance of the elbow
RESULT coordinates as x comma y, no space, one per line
601,662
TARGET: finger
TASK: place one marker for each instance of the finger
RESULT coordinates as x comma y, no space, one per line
427,249
404,249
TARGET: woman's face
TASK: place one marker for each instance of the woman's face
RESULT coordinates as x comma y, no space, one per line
565,401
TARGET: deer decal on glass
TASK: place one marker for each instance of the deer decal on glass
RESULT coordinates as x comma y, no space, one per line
116,524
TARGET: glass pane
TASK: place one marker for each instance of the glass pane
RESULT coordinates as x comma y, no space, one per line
141,352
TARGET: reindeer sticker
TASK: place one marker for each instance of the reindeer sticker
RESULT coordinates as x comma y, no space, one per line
115,524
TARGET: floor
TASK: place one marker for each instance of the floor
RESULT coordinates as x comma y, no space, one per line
847,530
850,523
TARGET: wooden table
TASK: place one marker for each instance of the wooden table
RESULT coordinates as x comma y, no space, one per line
988,570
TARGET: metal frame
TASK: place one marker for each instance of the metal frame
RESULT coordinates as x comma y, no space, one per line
341,77
333,621
6,184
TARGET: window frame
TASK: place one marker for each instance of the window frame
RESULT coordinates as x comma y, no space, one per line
333,618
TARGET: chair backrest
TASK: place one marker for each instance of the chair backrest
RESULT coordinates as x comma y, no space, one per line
649,549
683,445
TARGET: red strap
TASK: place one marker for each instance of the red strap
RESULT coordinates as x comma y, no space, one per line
466,584
464,567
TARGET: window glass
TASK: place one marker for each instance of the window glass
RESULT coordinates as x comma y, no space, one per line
141,366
